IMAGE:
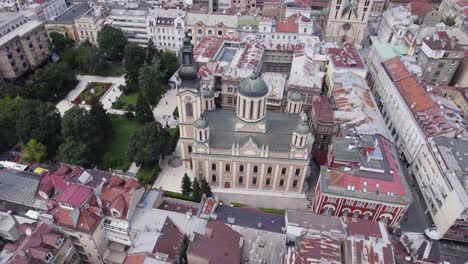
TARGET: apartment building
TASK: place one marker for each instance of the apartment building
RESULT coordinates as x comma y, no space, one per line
132,22
65,23
166,28
9,21
295,29
440,170
24,47
275,9
456,9
397,25
439,58
54,8
201,25
88,25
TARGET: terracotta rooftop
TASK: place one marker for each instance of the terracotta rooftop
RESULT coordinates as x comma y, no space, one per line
287,27
441,41
74,194
220,245
171,241
420,8
323,109
346,57
316,248
298,17
178,206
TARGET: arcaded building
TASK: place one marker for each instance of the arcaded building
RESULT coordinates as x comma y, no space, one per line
246,147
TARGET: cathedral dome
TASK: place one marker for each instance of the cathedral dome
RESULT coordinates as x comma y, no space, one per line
302,128
253,87
295,97
201,123
188,72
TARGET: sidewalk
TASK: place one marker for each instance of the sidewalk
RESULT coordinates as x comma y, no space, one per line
165,108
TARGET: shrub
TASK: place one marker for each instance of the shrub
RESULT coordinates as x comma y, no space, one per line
117,105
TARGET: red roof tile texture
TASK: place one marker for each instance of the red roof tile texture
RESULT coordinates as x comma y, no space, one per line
346,57
287,27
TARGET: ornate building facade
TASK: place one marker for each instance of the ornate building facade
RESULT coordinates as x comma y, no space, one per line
243,148
347,21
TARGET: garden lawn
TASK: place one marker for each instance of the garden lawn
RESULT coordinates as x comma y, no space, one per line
115,153
112,69
130,98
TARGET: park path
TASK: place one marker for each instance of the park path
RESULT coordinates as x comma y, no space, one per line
166,106
107,100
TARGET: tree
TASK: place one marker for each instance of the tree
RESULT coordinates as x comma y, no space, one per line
78,125
101,120
151,51
53,81
170,63
34,151
88,59
150,78
143,111
8,107
196,191
60,43
38,120
76,153
450,21
205,188
134,57
111,42
70,57
186,187
148,143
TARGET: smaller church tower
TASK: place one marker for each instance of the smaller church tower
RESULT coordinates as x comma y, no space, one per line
201,130
208,100
294,105
301,133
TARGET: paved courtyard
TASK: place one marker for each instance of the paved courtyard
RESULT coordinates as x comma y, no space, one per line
166,106
107,99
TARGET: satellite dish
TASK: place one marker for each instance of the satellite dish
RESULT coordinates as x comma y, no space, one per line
28,231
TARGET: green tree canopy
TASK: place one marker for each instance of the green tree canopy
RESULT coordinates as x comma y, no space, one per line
78,125
134,57
205,188
186,187
111,42
88,59
53,81
450,21
38,120
60,43
196,191
148,143
143,111
151,51
101,120
170,63
33,151
75,152
150,78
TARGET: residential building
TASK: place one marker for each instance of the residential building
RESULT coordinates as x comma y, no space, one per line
397,25
39,243
53,8
14,197
364,180
9,21
94,208
330,239
425,14
24,47
219,244
456,9
323,127
347,21
439,58
458,95
440,171
241,6
275,9
234,148
460,78
200,25
420,248
166,28
65,23
393,3
294,29
341,60
132,22
88,25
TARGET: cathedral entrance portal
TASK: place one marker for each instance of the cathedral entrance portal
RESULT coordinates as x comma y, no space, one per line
227,185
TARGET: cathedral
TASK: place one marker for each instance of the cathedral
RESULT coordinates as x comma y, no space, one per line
246,148
347,21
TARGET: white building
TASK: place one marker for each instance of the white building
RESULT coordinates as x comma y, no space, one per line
294,29
200,25
88,25
166,28
441,171
53,8
132,23
396,23
454,8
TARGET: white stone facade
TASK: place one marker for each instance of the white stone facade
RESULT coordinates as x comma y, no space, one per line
132,23
166,28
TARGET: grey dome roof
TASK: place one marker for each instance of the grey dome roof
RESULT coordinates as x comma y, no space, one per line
201,123
302,128
207,93
253,87
295,97
188,72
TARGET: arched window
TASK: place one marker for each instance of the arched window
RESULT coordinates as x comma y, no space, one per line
206,134
189,109
269,170
213,178
355,214
384,219
251,109
254,180
206,104
200,135
268,180
243,108
327,211
241,180
259,108
189,149
366,215
255,169
345,212
241,168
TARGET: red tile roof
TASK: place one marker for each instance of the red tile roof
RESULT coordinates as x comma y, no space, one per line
115,180
74,194
323,109
222,246
420,8
346,57
172,240
131,183
441,41
287,27
298,17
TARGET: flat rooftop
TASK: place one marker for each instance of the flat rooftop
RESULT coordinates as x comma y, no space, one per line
20,31
276,83
19,186
69,16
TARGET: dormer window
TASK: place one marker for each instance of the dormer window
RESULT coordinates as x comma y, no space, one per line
49,257
115,212
59,242
66,206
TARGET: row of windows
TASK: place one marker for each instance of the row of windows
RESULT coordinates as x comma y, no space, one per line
356,213
254,181
227,167
360,204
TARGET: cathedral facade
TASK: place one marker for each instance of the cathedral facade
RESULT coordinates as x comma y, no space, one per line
347,21
243,148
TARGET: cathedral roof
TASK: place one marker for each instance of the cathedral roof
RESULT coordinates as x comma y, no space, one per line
253,87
